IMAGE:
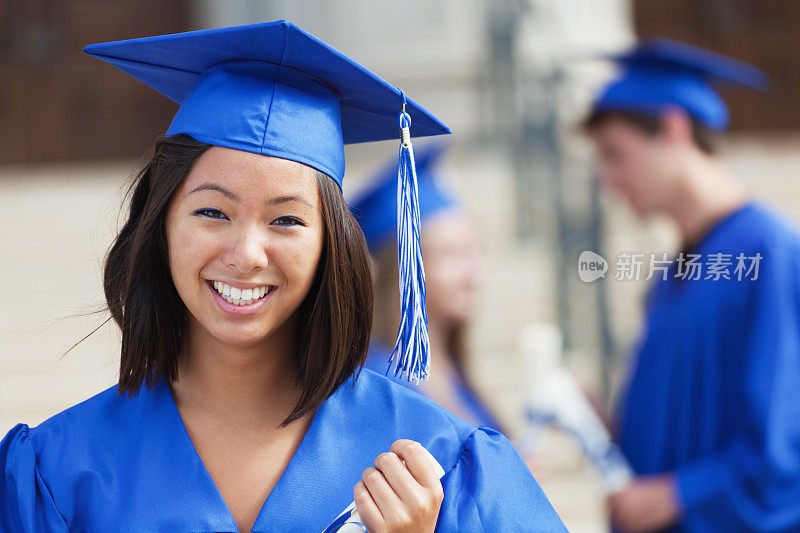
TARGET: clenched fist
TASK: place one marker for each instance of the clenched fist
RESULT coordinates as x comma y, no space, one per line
402,493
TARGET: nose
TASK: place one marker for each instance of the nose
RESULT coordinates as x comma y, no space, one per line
248,251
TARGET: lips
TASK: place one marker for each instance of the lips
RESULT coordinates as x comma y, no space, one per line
242,308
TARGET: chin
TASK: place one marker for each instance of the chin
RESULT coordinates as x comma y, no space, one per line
241,335
459,314
641,209
646,210
236,339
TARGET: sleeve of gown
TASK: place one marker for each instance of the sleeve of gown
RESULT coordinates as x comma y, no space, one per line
491,489
26,505
753,483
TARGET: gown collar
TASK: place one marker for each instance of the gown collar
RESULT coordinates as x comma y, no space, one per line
719,225
316,485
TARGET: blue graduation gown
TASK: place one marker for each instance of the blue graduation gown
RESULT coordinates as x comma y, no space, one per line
378,361
714,393
112,463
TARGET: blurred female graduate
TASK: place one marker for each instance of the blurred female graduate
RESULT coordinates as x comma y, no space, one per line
449,245
242,287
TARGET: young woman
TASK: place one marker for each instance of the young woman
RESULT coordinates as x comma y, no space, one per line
242,288
451,263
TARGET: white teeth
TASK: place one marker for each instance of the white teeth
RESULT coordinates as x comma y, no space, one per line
238,296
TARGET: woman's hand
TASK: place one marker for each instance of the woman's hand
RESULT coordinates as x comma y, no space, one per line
395,497
646,504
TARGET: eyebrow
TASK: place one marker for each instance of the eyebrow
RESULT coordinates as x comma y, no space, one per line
232,196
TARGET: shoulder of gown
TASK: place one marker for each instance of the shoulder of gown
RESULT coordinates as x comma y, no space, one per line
759,227
487,486
30,456
377,361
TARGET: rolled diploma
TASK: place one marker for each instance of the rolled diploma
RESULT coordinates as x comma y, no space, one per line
557,400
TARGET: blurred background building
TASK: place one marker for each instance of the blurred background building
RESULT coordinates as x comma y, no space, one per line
511,77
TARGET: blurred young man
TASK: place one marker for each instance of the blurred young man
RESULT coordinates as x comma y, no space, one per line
710,415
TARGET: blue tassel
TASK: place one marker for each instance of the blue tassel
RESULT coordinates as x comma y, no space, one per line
412,349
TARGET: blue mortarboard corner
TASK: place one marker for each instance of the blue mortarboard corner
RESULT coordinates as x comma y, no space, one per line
658,73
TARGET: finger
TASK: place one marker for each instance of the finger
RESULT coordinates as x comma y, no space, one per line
637,520
628,515
621,522
616,503
417,462
617,508
382,494
400,479
611,501
367,509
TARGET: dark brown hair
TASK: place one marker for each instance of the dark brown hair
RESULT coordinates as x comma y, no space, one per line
704,138
334,320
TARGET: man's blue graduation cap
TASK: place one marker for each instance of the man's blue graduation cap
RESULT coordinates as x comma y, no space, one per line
375,207
276,90
658,73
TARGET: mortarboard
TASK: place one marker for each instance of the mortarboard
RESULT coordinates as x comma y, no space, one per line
375,207
269,88
658,73
275,89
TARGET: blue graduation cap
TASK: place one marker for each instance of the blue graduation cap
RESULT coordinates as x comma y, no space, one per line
274,89
658,73
375,207
269,88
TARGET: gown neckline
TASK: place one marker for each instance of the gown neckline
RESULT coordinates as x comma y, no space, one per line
279,502
719,225
711,234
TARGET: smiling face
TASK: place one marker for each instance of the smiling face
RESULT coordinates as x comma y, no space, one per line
245,235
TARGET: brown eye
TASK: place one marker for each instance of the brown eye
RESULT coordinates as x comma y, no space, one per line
287,221
211,213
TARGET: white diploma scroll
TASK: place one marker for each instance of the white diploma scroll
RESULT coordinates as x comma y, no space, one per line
556,400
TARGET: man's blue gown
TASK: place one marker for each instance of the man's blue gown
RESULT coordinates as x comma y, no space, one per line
714,392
